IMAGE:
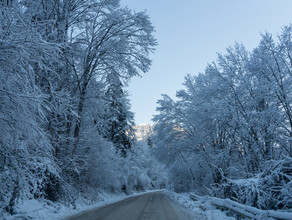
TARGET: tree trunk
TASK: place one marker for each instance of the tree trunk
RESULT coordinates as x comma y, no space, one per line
79,114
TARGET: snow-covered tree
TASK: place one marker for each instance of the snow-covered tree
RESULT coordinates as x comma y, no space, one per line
119,118
111,40
57,107
27,165
231,120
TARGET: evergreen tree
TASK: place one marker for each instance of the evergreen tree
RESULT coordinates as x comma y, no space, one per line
119,117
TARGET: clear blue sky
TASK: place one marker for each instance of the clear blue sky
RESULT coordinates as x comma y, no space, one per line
190,33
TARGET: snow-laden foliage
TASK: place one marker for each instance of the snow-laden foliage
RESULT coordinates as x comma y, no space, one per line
271,189
230,122
27,165
65,120
148,172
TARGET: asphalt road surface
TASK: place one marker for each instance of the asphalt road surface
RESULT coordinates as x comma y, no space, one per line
150,206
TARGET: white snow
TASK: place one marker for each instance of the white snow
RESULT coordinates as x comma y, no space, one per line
249,211
47,210
201,209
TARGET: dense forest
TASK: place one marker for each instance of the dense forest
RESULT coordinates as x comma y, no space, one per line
66,129
67,132
228,133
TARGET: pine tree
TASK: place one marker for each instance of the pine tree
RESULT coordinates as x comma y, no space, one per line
119,117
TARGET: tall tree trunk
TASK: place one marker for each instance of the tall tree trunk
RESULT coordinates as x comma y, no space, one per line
79,118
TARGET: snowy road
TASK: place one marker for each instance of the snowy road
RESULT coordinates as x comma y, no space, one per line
154,206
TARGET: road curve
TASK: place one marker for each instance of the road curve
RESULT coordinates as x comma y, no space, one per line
154,206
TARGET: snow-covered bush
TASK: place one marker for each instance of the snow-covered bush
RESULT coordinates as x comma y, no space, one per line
271,189
275,185
144,171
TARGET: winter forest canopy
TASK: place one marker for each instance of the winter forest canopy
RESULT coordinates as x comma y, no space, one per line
65,119
229,133
67,131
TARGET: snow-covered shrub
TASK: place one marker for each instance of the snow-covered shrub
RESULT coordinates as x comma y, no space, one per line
143,170
275,185
157,173
27,170
102,166
95,165
240,190
181,177
271,189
